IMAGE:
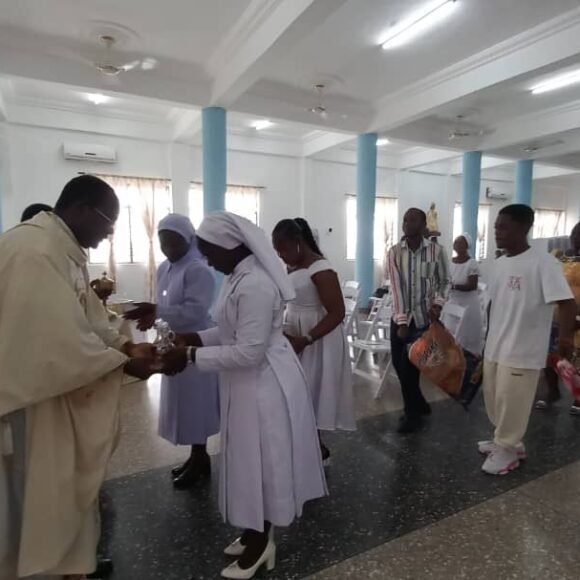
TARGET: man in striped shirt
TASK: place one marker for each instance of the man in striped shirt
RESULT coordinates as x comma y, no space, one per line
419,274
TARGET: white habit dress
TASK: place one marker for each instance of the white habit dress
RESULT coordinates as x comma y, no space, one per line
270,460
470,335
326,362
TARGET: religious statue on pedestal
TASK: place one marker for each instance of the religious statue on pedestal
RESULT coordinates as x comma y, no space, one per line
433,221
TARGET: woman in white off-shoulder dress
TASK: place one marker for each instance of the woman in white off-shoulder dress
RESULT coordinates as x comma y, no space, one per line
314,326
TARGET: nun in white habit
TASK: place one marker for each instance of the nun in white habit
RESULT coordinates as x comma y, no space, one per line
270,461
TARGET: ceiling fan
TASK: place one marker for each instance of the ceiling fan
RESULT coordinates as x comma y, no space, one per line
319,108
466,131
534,147
109,64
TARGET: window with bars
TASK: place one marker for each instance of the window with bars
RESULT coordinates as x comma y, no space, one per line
240,199
131,241
549,223
482,228
385,227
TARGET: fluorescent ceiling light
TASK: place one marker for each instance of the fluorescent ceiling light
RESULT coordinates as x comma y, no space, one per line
418,22
381,142
97,98
557,82
264,124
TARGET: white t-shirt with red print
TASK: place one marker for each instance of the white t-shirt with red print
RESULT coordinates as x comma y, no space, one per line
523,290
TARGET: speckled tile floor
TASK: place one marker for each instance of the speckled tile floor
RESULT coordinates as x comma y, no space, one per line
511,537
413,507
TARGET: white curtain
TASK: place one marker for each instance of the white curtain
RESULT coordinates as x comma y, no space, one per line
385,226
112,263
116,183
244,201
143,202
549,223
240,199
146,188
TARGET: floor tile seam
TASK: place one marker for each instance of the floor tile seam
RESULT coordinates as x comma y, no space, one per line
419,530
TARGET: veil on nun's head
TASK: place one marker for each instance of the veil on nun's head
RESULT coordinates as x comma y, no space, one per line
229,231
180,224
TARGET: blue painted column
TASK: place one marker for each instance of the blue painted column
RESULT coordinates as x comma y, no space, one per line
366,183
470,194
214,158
524,179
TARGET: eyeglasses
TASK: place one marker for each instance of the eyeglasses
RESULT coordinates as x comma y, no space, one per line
105,217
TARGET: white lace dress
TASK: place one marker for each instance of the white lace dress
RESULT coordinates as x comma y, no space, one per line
326,363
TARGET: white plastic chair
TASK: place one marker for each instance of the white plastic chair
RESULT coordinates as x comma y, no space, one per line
452,318
381,307
351,289
375,346
351,318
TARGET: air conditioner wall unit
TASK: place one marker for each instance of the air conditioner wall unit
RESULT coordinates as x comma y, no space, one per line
491,194
94,153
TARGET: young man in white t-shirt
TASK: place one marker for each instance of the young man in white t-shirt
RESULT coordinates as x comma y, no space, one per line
524,287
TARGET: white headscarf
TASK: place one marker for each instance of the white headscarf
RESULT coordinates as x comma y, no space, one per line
229,231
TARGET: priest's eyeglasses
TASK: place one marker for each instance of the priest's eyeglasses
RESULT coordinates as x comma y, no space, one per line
104,216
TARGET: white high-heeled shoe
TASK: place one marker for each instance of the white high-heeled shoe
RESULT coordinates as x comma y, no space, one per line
236,548
268,557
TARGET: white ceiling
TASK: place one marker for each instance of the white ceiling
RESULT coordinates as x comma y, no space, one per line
346,45
43,94
261,58
188,30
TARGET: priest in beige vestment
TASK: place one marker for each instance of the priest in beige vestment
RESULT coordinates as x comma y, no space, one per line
61,371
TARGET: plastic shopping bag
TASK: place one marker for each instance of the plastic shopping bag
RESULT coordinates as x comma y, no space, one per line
568,372
439,358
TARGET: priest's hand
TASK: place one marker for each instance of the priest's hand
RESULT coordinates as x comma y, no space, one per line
174,361
140,368
142,350
144,314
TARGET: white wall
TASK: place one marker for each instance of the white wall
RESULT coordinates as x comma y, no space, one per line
36,172
33,170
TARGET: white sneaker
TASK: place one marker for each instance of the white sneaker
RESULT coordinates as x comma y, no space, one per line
501,461
487,447
575,409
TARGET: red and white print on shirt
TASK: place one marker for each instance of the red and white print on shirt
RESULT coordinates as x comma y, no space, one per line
515,283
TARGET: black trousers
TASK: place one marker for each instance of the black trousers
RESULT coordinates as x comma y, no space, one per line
407,372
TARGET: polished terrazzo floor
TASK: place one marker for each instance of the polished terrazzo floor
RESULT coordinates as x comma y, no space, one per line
415,507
